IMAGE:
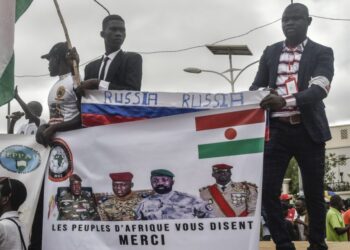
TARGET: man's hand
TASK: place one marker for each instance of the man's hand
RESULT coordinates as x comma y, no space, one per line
15,116
44,134
273,101
88,84
72,55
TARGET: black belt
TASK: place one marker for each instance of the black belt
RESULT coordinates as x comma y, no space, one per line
292,120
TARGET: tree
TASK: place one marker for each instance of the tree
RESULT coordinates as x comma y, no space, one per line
333,161
292,173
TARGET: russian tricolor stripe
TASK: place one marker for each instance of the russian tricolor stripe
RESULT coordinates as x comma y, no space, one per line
102,114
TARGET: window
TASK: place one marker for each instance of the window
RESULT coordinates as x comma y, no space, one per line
344,134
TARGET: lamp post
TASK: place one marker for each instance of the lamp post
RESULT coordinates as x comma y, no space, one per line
225,50
231,81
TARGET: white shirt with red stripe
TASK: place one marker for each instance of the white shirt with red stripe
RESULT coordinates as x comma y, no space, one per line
287,78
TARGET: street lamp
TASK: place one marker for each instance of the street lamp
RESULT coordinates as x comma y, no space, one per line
231,81
225,50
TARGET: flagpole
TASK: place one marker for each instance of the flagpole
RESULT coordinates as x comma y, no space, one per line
76,75
8,114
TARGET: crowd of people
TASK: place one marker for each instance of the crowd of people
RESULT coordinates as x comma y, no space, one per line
296,218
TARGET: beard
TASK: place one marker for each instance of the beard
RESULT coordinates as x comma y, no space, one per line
161,189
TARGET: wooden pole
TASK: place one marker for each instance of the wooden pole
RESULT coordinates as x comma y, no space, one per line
8,114
76,75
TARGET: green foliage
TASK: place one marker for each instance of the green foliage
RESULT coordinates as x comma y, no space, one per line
292,173
333,161
330,164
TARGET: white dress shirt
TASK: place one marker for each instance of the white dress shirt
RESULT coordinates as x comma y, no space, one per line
10,238
104,84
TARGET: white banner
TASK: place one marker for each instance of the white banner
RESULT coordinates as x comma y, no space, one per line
23,159
84,209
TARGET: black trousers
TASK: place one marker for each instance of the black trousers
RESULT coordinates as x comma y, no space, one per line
286,141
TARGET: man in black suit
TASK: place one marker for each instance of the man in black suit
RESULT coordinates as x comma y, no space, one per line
298,73
116,69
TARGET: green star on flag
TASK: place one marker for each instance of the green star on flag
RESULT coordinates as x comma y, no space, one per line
10,11
242,132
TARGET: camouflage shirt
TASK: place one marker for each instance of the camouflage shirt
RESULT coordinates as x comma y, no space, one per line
113,208
81,207
173,205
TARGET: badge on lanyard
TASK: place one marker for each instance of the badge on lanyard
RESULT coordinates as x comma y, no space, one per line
291,85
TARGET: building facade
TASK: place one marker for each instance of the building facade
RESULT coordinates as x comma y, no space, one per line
340,145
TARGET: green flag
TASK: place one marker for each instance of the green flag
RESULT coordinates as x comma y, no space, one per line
10,11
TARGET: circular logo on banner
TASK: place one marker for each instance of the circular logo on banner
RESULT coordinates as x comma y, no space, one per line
60,161
20,159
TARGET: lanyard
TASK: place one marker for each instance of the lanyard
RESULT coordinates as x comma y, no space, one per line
19,230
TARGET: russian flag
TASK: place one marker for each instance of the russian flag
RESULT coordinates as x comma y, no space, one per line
94,114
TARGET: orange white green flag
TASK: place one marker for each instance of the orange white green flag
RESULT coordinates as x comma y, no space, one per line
10,11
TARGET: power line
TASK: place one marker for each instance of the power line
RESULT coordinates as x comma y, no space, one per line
103,6
193,47
331,18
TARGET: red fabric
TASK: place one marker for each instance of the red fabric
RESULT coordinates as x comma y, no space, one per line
220,200
223,205
91,120
291,214
230,119
123,176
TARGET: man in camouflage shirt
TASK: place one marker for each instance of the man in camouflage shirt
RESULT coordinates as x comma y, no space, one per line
169,204
76,203
121,205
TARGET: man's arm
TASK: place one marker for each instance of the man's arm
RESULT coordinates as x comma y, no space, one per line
15,116
342,230
335,224
322,76
26,110
134,72
46,132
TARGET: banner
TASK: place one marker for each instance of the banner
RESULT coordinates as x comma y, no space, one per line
107,107
157,183
10,11
21,158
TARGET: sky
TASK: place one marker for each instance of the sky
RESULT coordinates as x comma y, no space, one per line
168,25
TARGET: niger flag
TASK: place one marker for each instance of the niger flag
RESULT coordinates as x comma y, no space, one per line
242,132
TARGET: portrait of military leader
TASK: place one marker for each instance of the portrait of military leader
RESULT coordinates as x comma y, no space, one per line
76,202
228,198
121,205
166,203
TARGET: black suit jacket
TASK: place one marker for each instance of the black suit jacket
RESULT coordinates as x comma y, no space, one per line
124,73
316,60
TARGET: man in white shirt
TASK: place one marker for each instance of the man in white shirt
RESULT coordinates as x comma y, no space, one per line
13,235
32,111
63,103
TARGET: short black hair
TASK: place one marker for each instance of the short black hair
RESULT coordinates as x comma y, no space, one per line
74,177
109,18
335,200
17,190
35,107
300,5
